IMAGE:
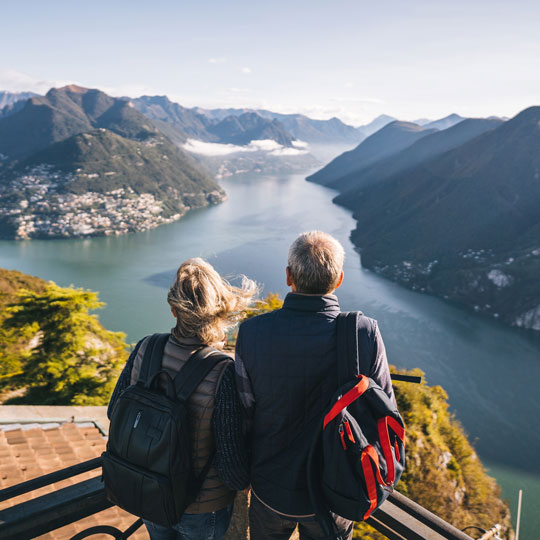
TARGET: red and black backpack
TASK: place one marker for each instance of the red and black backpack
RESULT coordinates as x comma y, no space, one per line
358,454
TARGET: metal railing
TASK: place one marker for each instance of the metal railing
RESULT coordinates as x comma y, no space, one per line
398,518
51,511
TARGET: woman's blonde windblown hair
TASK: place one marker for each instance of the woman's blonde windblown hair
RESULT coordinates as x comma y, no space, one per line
205,304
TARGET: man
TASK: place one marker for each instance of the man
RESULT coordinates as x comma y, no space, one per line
286,368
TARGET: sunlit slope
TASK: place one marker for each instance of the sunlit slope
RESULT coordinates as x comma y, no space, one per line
102,161
426,148
64,112
465,225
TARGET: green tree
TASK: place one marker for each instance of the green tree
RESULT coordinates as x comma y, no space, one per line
70,359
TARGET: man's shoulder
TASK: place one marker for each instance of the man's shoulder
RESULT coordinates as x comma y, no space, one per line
258,320
255,328
363,321
365,324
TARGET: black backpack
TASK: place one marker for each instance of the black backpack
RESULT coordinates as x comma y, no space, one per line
147,466
358,455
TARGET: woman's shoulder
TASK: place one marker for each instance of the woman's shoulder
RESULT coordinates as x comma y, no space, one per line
138,355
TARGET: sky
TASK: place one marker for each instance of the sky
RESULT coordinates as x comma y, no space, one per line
351,59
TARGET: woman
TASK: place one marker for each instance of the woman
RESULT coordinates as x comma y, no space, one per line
205,307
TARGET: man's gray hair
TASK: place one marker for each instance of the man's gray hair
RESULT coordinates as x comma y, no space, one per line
315,262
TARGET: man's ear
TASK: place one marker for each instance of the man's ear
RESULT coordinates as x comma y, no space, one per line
340,280
173,312
289,277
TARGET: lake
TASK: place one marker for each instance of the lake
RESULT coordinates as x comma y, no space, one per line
490,372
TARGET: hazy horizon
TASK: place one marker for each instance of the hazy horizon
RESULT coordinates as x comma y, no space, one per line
314,117
352,59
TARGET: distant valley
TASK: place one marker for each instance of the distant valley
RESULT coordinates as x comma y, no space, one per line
452,212
447,206
77,162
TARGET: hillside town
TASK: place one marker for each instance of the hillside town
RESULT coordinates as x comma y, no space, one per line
35,206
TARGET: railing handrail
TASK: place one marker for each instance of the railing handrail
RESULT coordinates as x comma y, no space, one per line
47,479
398,518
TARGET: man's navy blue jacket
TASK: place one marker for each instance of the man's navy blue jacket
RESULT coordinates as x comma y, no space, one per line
286,367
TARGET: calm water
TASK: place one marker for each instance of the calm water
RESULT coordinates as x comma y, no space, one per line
491,373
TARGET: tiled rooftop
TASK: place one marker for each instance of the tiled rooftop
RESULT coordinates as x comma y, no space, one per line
32,449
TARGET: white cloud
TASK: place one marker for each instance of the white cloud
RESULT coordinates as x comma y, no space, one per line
300,144
220,60
246,70
269,146
283,151
266,145
212,149
16,81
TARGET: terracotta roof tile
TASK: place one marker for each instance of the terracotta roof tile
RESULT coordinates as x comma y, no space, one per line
29,451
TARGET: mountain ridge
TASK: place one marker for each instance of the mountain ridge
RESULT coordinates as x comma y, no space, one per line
389,140
92,164
425,148
463,225
63,112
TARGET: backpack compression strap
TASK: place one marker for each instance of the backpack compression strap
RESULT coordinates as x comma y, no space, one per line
352,395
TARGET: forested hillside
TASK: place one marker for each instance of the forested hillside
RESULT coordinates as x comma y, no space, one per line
77,162
52,350
463,225
443,473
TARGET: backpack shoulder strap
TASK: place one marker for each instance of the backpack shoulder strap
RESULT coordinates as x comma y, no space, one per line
200,363
347,346
353,330
153,356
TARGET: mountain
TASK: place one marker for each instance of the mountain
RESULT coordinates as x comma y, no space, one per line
250,126
181,123
177,122
387,141
99,182
464,225
64,112
301,127
424,149
444,123
11,101
306,129
221,113
91,157
91,165
375,125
